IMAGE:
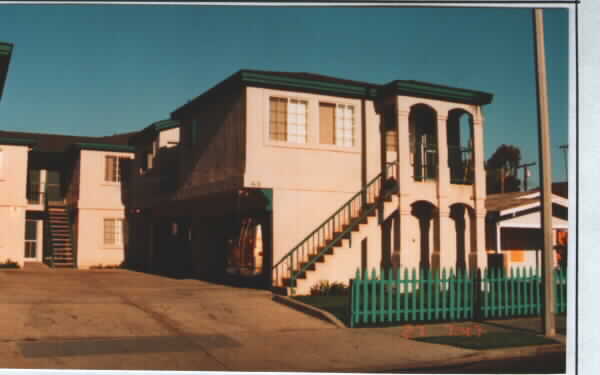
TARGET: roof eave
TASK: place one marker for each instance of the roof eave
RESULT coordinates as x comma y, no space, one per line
103,147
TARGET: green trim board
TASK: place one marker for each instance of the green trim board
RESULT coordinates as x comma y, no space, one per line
304,84
432,91
5,56
17,141
103,147
165,124
314,83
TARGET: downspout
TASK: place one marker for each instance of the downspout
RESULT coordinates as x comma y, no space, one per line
363,154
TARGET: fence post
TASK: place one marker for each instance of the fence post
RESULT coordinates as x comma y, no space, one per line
477,296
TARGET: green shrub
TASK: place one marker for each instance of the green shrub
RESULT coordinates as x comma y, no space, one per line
325,288
9,264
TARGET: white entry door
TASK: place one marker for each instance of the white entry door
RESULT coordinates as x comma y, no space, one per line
32,239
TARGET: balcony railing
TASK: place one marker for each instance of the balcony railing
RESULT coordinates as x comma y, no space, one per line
460,161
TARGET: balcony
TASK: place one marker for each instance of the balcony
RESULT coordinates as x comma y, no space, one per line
425,162
460,161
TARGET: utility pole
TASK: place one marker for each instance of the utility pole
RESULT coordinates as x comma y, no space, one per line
525,173
545,173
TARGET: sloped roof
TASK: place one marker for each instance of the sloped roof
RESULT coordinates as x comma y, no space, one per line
505,201
328,85
60,143
152,129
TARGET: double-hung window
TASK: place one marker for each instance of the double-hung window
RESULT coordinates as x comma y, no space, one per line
336,123
114,232
112,169
288,120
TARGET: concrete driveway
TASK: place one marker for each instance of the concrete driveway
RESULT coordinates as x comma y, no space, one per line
117,319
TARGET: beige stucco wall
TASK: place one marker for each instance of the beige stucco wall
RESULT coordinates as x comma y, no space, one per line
441,193
167,137
311,181
98,199
13,203
94,191
91,250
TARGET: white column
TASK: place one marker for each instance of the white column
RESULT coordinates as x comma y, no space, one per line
478,255
478,158
443,177
498,240
407,257
404,166
441,256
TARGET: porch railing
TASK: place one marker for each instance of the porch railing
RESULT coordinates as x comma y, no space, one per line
460,161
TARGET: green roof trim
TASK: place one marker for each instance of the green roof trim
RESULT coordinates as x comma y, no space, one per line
17,141
271,80
165,125
104,147
452,94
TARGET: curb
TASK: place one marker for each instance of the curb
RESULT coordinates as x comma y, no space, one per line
310,310
487,355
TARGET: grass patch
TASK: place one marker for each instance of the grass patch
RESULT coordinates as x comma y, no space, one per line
336,305
491,340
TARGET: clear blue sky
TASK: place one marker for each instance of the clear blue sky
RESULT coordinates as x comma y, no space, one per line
104,69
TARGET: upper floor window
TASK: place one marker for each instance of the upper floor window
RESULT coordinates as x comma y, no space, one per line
336,124
390,128
112,169
288,120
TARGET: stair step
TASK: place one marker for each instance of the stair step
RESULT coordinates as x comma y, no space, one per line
346,236
312,267
288,281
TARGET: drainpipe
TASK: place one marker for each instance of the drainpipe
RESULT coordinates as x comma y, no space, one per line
363,152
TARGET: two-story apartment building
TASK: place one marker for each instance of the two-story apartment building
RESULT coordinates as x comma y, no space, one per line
293,178
61,199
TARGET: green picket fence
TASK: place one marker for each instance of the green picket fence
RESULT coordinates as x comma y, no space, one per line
393,297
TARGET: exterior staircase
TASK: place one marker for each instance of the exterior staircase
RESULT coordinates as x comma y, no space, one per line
319,256
59,236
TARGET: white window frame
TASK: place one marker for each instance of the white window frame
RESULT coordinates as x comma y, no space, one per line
116,228
118,177
339,138
296,133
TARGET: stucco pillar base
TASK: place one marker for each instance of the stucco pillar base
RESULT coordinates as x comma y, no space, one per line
395,260
435,261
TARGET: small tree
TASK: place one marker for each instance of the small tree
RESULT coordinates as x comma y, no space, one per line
501,170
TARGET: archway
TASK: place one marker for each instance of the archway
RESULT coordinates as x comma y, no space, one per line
424,212
459,213
423,142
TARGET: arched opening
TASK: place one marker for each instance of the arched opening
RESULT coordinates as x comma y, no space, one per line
424,212
423,142
460,147
462,215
